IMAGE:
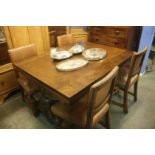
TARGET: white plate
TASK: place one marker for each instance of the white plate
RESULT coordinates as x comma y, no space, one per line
60,55
71,65
94,54
76,49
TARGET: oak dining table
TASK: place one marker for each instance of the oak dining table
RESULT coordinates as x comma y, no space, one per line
73,85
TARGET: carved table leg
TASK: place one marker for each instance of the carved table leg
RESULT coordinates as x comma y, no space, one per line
45,107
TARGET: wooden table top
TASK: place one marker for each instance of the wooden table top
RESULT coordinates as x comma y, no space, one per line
72,84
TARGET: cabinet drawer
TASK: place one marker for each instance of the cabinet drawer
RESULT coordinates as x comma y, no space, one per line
118,32
95,38
7,81
93,29
113,41
80,38
98,30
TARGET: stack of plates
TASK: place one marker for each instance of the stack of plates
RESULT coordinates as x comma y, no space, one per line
76,49
94,54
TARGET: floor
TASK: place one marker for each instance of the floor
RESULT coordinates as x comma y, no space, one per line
14,114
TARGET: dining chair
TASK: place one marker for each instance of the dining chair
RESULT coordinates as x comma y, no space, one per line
22,53
17,55
128,76
87,113
65,40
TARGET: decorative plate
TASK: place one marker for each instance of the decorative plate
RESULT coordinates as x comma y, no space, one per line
71,65
60,55
94,54
76,49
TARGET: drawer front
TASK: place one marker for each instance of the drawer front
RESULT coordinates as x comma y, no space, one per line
97,30
81,38
118,32
115,42
95,38
8,81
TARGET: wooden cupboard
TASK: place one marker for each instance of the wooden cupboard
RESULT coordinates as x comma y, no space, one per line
23,35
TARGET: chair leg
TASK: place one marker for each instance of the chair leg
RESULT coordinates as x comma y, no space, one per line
22,93
125,104
135,91
107,120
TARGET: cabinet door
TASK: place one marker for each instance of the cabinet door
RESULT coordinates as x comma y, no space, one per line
39,38
19,35
23,35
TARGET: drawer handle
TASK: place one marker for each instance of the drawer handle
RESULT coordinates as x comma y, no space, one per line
2,83
117,32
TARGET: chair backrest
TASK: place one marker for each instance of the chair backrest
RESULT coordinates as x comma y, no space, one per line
22,53
99,98
136,63
65,40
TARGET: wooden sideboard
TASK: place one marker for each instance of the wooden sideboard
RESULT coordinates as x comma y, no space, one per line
8,81
117,36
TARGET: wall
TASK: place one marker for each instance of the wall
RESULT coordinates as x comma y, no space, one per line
146,40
